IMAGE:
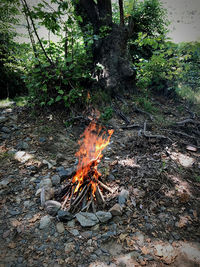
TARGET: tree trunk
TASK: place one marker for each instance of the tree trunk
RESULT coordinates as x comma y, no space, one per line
112,54
110,50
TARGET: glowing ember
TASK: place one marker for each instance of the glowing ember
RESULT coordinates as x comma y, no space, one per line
92,143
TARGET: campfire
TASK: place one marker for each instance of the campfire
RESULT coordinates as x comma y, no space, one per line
85,189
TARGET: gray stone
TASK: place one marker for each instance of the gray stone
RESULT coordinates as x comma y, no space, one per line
64,216
22,145
3,119
87,219
45,183
74,232
103,216
116,210
45,162
55,179
28,204
42,139
5,130
45,222
71,223
123,196
14,212
52,207
5,182
64,174
69,247
60,227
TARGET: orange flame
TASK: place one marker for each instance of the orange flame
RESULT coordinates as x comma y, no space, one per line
92,143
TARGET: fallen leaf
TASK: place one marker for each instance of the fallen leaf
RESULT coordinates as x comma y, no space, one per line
145,250
12,245
35,218
191,148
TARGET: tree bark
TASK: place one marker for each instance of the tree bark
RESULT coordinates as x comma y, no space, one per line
110,50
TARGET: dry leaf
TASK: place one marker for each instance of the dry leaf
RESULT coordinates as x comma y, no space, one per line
122,237
12,245
35,218
145,250
15,223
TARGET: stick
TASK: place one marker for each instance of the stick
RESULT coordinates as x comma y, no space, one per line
180,123
130,126
105,187
99,196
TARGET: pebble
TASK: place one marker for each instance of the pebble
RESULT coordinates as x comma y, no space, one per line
42,139
116,210
45,222
5,130
60,227
55,179
52,207
45,183
74,232
69,247
103,216
87,219
22,145
123,196
3,119
71,223
64,216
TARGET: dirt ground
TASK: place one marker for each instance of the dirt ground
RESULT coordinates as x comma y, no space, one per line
154,157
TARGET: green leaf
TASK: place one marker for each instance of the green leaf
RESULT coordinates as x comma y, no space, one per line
58,98
61,92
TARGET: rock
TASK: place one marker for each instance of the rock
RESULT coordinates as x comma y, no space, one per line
64,216
14,212
22,156
28,204
69,247
55,179
116,210
46,183
60,158
87,234
3,119
52,207
87,219
74,232
123,196
140,238
45,222
5,182
71,223
64,174
111,177
42,139
22,145
48,193
5,130
103,216
60,227
167,252
45,162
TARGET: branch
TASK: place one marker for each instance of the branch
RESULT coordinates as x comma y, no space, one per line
35,31
121,12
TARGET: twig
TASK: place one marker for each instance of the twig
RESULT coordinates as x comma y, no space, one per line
181,133
99,196
180,123
120,114
130,126
105,187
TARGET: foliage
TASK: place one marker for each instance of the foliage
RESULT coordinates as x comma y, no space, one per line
10,79
107,114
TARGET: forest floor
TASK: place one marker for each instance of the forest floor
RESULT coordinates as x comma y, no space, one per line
159,167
